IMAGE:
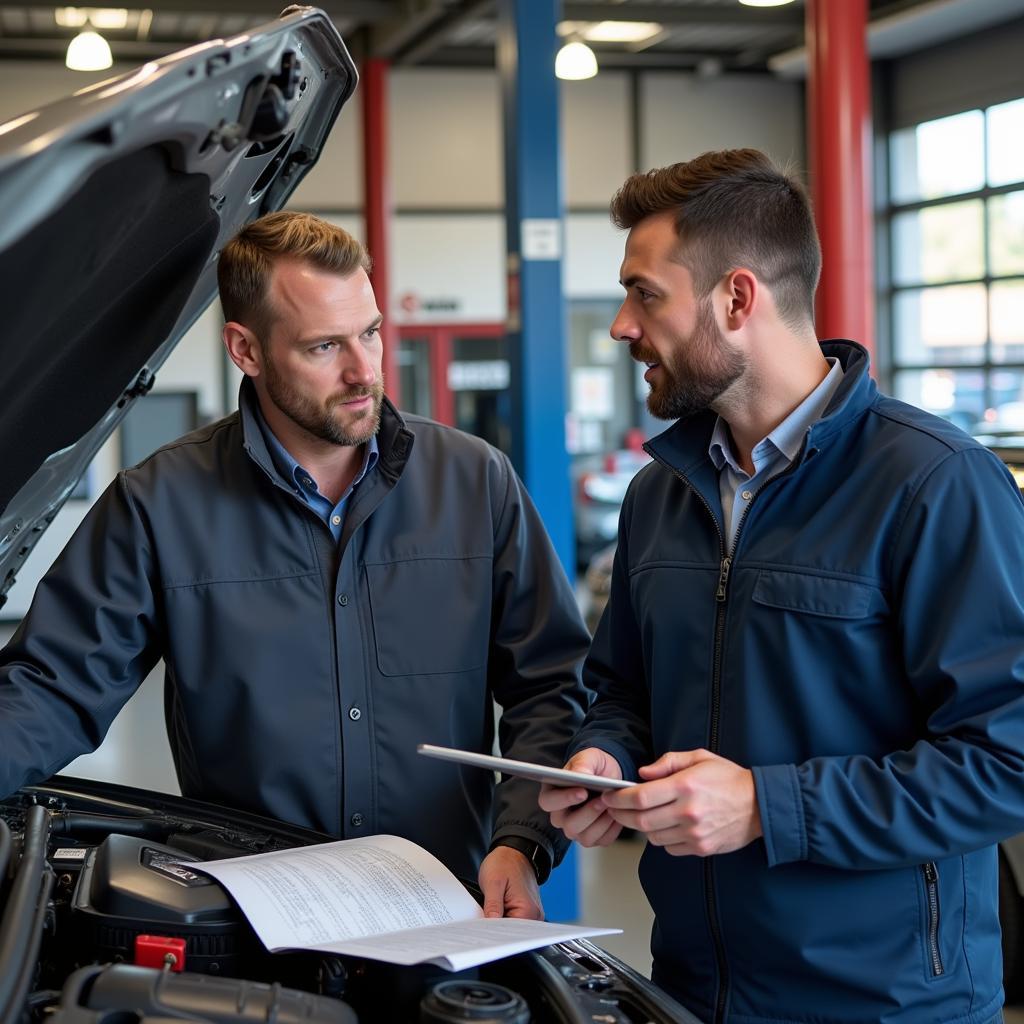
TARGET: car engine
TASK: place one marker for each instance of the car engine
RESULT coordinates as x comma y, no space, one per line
102,922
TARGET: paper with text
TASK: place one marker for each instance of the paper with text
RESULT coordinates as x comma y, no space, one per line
380,897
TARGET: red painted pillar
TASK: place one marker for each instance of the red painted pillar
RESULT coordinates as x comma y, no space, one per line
839,130
377,207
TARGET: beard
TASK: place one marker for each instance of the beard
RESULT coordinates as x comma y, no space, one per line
700,369
320,420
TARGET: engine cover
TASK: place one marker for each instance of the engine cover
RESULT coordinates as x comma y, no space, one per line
131,886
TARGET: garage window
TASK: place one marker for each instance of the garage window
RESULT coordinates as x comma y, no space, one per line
956,259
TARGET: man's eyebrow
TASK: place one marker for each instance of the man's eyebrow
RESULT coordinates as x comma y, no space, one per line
634,279
319,339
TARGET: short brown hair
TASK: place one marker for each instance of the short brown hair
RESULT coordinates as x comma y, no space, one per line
734,208
247,261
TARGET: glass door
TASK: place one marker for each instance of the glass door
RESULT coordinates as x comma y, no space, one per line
415,378
478,377
458,375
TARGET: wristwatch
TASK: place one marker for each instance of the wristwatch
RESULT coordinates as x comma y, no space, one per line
538,857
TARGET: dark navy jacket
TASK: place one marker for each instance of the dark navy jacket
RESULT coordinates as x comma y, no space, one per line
302,673
863,652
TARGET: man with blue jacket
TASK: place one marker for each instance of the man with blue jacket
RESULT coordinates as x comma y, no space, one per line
813,652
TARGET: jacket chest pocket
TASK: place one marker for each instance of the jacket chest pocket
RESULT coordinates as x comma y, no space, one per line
825,596
430,615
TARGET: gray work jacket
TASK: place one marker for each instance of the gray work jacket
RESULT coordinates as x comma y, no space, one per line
301,673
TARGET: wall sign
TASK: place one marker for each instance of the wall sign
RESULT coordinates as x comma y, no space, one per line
540,238
479,375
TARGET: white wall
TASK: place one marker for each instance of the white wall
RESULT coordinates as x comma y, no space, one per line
683,115
28,84
335,182
597,138
445,136
594,250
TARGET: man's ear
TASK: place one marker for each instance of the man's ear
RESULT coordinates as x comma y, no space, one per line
742,294
243,348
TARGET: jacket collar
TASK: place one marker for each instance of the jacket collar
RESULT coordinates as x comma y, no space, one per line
394,439
684,446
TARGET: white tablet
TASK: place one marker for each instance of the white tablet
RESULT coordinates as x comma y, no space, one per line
524,769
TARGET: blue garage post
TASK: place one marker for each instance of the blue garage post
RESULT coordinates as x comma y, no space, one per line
527,42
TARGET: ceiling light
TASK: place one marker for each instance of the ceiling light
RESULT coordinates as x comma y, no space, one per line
575,61
622,31
610,31
765,3
109,17
98,17
88,51
70,17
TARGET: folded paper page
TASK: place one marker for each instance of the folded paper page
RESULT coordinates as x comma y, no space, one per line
381,897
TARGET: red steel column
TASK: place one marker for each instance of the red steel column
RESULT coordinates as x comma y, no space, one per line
377,207
839,130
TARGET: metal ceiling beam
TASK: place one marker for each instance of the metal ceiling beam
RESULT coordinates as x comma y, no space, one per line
414,17
437,35
339,10
731,17
123,50
609,60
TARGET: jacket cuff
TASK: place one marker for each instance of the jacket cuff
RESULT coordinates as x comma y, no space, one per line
538,855
626,763
782,813
552,845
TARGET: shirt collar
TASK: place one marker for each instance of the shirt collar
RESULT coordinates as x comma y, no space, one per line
788,436
291,471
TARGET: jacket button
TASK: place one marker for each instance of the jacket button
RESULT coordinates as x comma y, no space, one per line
355,714
356,819
343,599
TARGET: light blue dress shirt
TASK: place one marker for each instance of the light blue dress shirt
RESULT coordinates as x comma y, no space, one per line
304,485
771,455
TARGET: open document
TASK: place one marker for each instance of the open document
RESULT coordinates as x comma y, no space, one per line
381,897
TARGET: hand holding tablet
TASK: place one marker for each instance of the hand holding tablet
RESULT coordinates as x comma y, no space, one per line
524,769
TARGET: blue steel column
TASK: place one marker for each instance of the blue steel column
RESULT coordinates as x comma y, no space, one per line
527,42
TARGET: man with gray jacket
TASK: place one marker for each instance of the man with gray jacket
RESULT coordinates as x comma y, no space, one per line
328,582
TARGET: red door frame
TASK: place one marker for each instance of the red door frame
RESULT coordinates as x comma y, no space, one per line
440,338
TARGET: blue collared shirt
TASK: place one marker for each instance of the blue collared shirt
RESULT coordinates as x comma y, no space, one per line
303,483
771,455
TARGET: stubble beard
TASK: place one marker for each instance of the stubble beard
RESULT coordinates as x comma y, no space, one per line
320,420
701,370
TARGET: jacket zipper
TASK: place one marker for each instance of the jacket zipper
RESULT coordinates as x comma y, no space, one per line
931,888
721,596
710,900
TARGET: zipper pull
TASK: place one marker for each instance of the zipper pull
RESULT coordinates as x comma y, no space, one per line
723,578
931,873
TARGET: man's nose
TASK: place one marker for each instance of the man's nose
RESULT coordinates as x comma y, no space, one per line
624,327
359,368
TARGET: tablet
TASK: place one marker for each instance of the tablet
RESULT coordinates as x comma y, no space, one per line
524,769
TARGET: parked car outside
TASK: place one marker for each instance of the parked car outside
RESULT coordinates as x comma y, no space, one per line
597,583
601,482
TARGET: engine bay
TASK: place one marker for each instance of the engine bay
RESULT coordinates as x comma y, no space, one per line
102,922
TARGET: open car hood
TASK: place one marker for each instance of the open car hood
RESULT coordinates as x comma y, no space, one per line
114,204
